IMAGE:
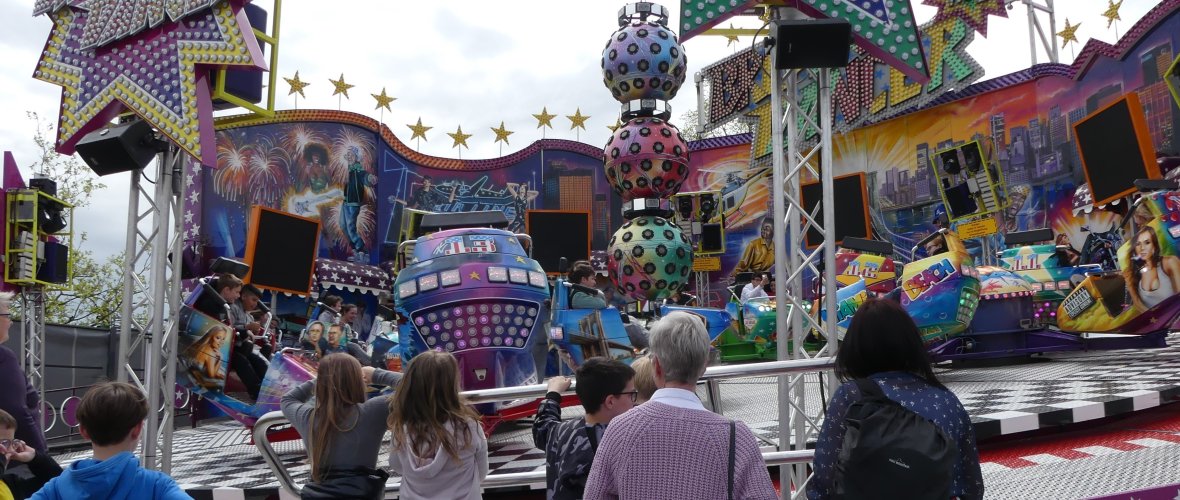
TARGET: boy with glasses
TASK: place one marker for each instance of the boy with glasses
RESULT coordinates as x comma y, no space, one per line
606,389
14,453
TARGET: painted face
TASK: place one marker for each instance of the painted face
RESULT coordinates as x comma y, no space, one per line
767,231
334,335
316,160
426,184
218,339
315,332
935,246
1144,247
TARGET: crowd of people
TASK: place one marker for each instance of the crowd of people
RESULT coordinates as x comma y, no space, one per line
645,432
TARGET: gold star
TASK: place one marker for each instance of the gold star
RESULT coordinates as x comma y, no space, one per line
520,259
577,120
459,137
297,85
544,119
383,100
615,126
474,275
1112,12
419,130
501,133
341,87
732,39
1069,34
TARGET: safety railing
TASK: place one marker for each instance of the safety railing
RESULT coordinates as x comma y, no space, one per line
713,374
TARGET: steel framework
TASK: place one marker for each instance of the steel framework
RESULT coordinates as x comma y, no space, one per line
32,360
1035,31
792,259
150,309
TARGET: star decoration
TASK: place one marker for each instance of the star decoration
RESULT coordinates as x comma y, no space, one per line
731,39
577,120
383,100
615,126
972,12
115,20
474,275
419,130
297,85
520,259
1112,12
1069,33
341,86
501,133
159,75
460,138
544,119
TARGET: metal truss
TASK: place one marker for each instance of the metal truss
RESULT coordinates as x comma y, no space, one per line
792,259
1036,33
32,361
148,320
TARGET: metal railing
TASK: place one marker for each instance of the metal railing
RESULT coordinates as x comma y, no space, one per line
713,374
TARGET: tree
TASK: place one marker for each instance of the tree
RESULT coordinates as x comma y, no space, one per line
688,126
93,298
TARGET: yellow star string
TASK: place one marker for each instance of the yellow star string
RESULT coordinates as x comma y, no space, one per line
544,120
419,131
460,139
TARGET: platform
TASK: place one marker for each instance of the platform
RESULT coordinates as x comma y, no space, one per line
1053,391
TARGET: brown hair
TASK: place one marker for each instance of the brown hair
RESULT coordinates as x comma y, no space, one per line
6,420
426,399
1135,271
227,280
645,377
339,387
109,411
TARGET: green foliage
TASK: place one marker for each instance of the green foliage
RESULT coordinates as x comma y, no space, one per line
94,297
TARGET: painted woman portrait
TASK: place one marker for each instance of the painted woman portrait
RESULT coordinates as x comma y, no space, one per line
1153,277
206,355
311,337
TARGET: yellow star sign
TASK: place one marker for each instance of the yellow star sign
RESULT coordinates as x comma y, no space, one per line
474,275
383,99
1112,12
459,137
297,85
577,120
341,87
501,133
419,129
615,126
545,119
520,259
1069,34
731,39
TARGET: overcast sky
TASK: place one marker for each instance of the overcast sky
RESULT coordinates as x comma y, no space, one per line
457,63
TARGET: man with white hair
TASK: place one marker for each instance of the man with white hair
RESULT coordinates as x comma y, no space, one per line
671,446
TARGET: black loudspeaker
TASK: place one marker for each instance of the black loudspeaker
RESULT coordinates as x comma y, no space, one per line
123,147
950,162
712,238
53,269
821,43
45,185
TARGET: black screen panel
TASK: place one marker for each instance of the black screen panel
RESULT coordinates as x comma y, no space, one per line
558,234
850,209
284,252
1109,146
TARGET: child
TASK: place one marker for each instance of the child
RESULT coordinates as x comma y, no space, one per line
438,446
14,452
607,390
645,378
111,416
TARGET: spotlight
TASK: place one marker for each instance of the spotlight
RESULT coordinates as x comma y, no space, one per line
950,162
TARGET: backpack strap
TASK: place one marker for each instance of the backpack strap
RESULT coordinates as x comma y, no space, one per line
732,453
869,389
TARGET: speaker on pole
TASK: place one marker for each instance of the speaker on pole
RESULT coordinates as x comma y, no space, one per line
819,43
123,147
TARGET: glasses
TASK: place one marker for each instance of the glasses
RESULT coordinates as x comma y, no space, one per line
634,395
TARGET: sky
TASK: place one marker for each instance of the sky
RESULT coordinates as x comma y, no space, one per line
459,63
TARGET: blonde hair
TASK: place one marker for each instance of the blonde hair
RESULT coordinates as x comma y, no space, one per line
645,378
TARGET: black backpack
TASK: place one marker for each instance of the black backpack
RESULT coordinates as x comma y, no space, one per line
891,452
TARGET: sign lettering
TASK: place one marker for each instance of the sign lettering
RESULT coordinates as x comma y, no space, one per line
925,280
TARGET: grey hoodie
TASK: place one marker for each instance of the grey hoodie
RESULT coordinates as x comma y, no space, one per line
440,476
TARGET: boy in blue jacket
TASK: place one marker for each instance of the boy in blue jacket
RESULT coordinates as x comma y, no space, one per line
111,417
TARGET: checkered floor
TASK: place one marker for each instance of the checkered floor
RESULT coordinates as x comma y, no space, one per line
1057,390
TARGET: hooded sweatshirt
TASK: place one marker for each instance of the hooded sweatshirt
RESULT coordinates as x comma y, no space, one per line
117,478
440,476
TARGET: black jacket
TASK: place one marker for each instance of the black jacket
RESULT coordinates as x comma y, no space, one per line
25,479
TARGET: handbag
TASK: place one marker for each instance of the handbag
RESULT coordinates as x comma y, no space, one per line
358,483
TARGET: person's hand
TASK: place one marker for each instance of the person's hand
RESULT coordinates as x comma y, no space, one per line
558,384
253,327
367,374
21,452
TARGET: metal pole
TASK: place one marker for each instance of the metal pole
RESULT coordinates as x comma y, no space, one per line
1053,55
827,156
127,310
172,309
154,336
1032,40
